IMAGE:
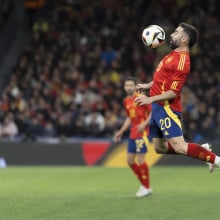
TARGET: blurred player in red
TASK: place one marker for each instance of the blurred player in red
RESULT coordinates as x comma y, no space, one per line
137,120
165,90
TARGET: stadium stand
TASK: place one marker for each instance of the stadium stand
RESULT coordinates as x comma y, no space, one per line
68,80
5,10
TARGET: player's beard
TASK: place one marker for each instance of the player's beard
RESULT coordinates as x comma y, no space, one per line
173,44
130,92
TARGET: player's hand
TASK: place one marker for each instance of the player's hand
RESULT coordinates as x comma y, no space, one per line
143,100
142,88
117,136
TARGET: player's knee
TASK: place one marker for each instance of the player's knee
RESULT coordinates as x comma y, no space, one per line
160,150
179,148
140,160
130,161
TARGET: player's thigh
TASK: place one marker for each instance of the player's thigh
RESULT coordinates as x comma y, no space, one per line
160,145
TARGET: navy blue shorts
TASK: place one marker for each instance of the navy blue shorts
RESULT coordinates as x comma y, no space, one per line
165,123
138,145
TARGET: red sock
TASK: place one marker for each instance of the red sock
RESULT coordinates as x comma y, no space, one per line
136,171
200,153
170,149
144,171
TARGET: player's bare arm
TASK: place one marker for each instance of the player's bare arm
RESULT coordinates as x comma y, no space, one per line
120,132
141,127
144,85
144,100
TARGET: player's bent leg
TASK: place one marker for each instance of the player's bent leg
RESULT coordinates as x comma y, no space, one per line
160,145
178,144
194,150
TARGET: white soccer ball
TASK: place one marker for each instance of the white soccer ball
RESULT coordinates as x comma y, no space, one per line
153,36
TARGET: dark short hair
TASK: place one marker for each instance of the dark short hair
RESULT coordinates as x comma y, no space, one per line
130,78
191,31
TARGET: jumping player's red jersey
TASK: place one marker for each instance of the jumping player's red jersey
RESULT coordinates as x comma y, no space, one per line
171,74
137,115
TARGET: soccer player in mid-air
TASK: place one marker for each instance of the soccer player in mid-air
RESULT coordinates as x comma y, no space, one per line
168,80
137,120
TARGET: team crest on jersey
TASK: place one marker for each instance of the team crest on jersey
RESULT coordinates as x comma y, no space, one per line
169,59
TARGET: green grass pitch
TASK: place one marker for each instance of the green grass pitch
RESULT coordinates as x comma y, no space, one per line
98,193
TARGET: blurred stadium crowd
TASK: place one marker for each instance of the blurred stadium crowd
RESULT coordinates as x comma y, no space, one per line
5,9
69,80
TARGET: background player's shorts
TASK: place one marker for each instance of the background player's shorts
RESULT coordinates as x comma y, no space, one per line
138,145
165,123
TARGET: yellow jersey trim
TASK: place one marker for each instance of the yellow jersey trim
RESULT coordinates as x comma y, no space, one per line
181,62
171,114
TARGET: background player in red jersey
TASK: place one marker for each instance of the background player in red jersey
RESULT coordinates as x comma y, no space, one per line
138,119
165,89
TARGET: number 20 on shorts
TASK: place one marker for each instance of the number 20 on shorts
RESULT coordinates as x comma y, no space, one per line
165,123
